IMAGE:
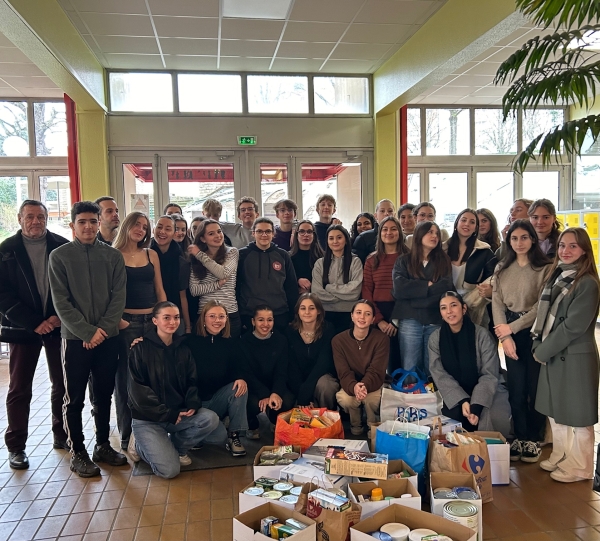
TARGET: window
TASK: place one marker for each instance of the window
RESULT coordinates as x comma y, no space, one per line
55,193
13,191
341,95
447,131
541,184
492,134
273,187
141,92
277,94
50,122
209,93
414,188
448,193
540,121
495,192
14,131
413,120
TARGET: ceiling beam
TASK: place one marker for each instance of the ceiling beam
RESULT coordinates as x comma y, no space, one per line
44,33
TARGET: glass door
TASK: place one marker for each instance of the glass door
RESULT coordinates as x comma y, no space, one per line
55,193
14,189
448,192
272,172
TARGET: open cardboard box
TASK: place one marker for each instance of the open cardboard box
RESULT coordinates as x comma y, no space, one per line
299,473
357,468
499,457
451,480
318,450
414,519
269,471
391,487
247,502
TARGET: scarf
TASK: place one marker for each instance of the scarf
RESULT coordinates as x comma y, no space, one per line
459,354
554,292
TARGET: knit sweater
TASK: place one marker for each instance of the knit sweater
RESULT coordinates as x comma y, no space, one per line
237,234
337,296
367,364
378,283
517,289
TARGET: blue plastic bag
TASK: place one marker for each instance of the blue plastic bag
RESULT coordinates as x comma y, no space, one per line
399,377
405,441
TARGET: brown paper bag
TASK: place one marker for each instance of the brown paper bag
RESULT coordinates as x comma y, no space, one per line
465,458
331,525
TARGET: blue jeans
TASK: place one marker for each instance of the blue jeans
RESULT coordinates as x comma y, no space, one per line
224,403
413,337
161,444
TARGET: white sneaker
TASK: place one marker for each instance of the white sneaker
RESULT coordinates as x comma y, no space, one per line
548,466
131,449
185,460
564,477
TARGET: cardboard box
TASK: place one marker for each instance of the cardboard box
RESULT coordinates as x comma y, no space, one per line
414,519
451,480
339,463
268,471
318,450
246,526
304,473
247,502
499,458
398,466
448,424
390,487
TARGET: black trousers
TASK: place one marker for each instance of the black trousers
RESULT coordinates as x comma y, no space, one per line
22,365
522,382
253,409
78,363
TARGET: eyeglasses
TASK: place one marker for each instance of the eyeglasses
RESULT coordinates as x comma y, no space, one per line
305,232
214,317
263,233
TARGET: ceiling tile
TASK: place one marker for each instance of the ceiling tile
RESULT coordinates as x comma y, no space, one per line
299,49
187,46
127,44
191,62
7,92
454,91
472,100
134,61
188,8
186,27
484,68
238,47
102,24
437,100
465,67
472,80
347,66
255,29
360,51
30,82
376,33
12,54
12,68
519,37
5,42
235,63
43,93
136,7
492,91
392,11
486,54
77,22
325,10
297,65
298,31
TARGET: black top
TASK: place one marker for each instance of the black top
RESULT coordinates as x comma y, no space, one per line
365,244
301,262
308,362
265,364
174,270
140,291
217,362
321,230
283,239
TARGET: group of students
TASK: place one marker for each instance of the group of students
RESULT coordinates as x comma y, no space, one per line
227,321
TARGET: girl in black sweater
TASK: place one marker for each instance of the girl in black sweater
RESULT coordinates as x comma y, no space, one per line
221,386
310,358
305,252
265,361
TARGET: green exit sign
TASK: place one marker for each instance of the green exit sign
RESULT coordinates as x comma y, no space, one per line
246,139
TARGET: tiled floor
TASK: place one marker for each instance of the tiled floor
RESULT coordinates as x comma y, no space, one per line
49,502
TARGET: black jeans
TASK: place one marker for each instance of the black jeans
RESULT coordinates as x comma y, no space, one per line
522,382
78,363
253,409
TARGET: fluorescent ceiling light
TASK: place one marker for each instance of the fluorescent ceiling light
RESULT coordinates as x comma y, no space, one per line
256,9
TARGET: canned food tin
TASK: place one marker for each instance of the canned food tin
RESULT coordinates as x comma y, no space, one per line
296,491
396,530
462,512
268,455
468,495
291,456
445,495
284,462
283,487
254,491
266,482
289,498
382,536
272,495
441,489
419,533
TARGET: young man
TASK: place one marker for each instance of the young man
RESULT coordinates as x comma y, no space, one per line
366,242
240,235
326,207
28,314
211,208
109,219
172,208
407,218
266,276
87,280
285,210
425,212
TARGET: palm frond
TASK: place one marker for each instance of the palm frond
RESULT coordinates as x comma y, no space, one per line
560,12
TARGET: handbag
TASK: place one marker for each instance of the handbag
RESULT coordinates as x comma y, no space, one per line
400,383
17,335
403,441
396,404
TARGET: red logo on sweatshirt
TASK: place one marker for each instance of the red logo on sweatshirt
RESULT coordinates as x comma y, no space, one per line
277,265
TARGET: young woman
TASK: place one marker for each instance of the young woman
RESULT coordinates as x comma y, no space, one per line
518,282
488,228
181,232
214,271
265,368
220,383
564,343
364,222
407,218
175,270
472,262
337,278
305,252
518,211
195,223
361,357
168,417
420,278
144,289
542,215
464,364
377,280
310,359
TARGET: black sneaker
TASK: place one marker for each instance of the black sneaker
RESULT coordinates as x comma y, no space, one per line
516,450
61,444
234,445
531,451
105,453
18,461
83,466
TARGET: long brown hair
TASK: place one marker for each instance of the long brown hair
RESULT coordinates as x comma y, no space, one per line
198,268
296,324
585,264
437,257
401,247
127,225
556,226
315,250
453,244
492,237
328,257
201,329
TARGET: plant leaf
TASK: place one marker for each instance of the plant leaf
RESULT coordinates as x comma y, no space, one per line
565,13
